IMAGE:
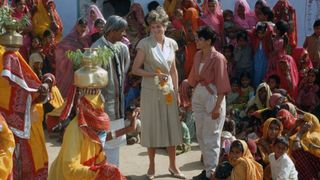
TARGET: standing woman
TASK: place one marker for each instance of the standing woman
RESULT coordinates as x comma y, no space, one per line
78,38
209,78
159,111
92,15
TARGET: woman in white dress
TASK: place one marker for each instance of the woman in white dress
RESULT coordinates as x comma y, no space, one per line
155,62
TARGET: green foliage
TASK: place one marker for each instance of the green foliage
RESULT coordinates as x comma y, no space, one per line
101,57
6,20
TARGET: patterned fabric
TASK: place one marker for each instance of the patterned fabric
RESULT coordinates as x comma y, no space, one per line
307,165
25,81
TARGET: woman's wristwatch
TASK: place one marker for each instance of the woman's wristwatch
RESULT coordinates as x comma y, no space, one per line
113,134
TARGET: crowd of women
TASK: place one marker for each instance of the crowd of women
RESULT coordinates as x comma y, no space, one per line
236,79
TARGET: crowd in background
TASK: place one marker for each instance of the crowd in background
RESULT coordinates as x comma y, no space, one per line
274,103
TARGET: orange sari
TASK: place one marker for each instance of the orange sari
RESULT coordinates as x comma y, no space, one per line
191,18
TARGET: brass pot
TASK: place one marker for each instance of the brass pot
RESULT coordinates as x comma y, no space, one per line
90,75
11,39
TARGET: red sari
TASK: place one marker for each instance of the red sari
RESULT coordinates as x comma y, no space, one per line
64,66
17,84
284,11
291,84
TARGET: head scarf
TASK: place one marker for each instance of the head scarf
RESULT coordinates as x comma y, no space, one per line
294,75
312,137
64,67
253,169
256,100
213,19
275,99
298,54
287,119
49,76
266,126
34,58
91,21
138,10
248,22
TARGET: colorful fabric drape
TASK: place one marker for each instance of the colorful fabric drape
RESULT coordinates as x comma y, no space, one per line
7,146
190,16
262,150
90,20
81,150
249,20
42,21
64,66
292,86
16,99
284,11
256,100
24,119
170,6
135,19
246,167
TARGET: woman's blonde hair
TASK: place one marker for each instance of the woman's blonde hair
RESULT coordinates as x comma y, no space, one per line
158,15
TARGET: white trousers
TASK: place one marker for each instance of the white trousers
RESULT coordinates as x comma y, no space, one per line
208,130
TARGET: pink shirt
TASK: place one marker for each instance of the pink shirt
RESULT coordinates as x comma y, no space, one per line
214,71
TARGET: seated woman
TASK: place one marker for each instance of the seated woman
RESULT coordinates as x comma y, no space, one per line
261,99
272,128
306,148
81,155
244,165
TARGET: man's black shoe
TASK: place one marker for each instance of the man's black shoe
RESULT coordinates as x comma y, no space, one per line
201,176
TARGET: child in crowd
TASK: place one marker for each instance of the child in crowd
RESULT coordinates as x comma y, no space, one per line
282,166
36,45
230,33
274,82
186,138
133,90
227,137
244,165
36,58
49,48
228,15
246,90
228,53
312,44
308,97
98,30
243,54
260,39
235,91
134,136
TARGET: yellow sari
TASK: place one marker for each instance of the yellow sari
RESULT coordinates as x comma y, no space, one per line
80,155
41,22
245,167
7,145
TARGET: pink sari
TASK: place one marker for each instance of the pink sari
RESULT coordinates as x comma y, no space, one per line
64,67
91,21
214,20
249,20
